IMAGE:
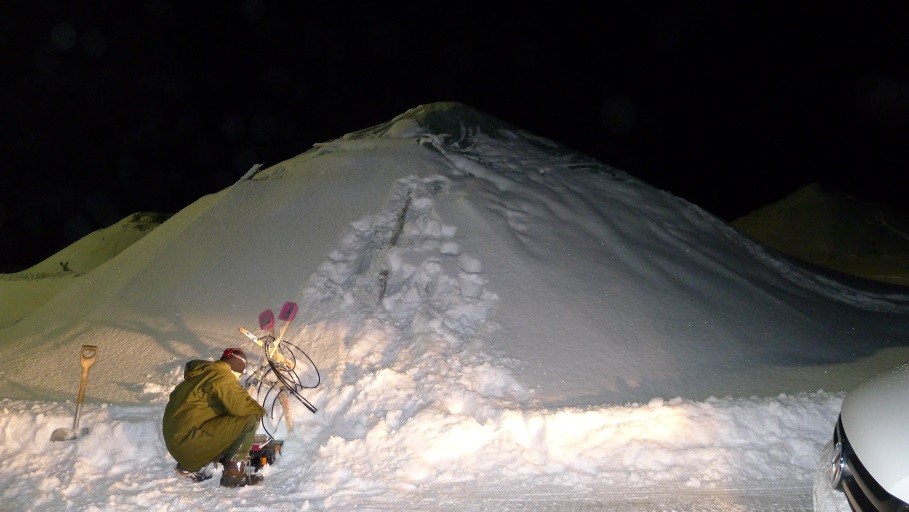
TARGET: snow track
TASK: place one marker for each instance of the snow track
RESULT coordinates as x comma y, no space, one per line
769,496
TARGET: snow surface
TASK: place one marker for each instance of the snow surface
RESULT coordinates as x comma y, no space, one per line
499,323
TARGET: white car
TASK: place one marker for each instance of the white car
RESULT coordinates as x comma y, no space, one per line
871,442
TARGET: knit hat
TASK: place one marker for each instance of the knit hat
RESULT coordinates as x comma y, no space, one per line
236,358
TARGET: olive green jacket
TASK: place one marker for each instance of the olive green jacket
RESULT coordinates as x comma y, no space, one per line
209,390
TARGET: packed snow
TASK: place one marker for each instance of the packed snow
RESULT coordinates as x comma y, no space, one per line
496,323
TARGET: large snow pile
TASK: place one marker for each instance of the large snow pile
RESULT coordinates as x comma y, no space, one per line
484,307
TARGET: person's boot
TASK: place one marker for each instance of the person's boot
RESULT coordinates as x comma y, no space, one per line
235,474
196,476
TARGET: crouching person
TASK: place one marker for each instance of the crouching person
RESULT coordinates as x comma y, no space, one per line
211,418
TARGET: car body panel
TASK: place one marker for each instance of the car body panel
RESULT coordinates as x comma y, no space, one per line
875,417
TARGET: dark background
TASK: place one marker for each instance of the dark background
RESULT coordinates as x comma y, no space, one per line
111,108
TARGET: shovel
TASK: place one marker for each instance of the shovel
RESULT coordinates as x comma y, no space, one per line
66,434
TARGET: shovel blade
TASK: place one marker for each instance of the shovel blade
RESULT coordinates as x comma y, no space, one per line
266,320
68,434
288,311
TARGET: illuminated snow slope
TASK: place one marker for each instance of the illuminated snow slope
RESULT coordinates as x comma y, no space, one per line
488,310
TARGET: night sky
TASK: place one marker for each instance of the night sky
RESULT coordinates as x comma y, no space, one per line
111,108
